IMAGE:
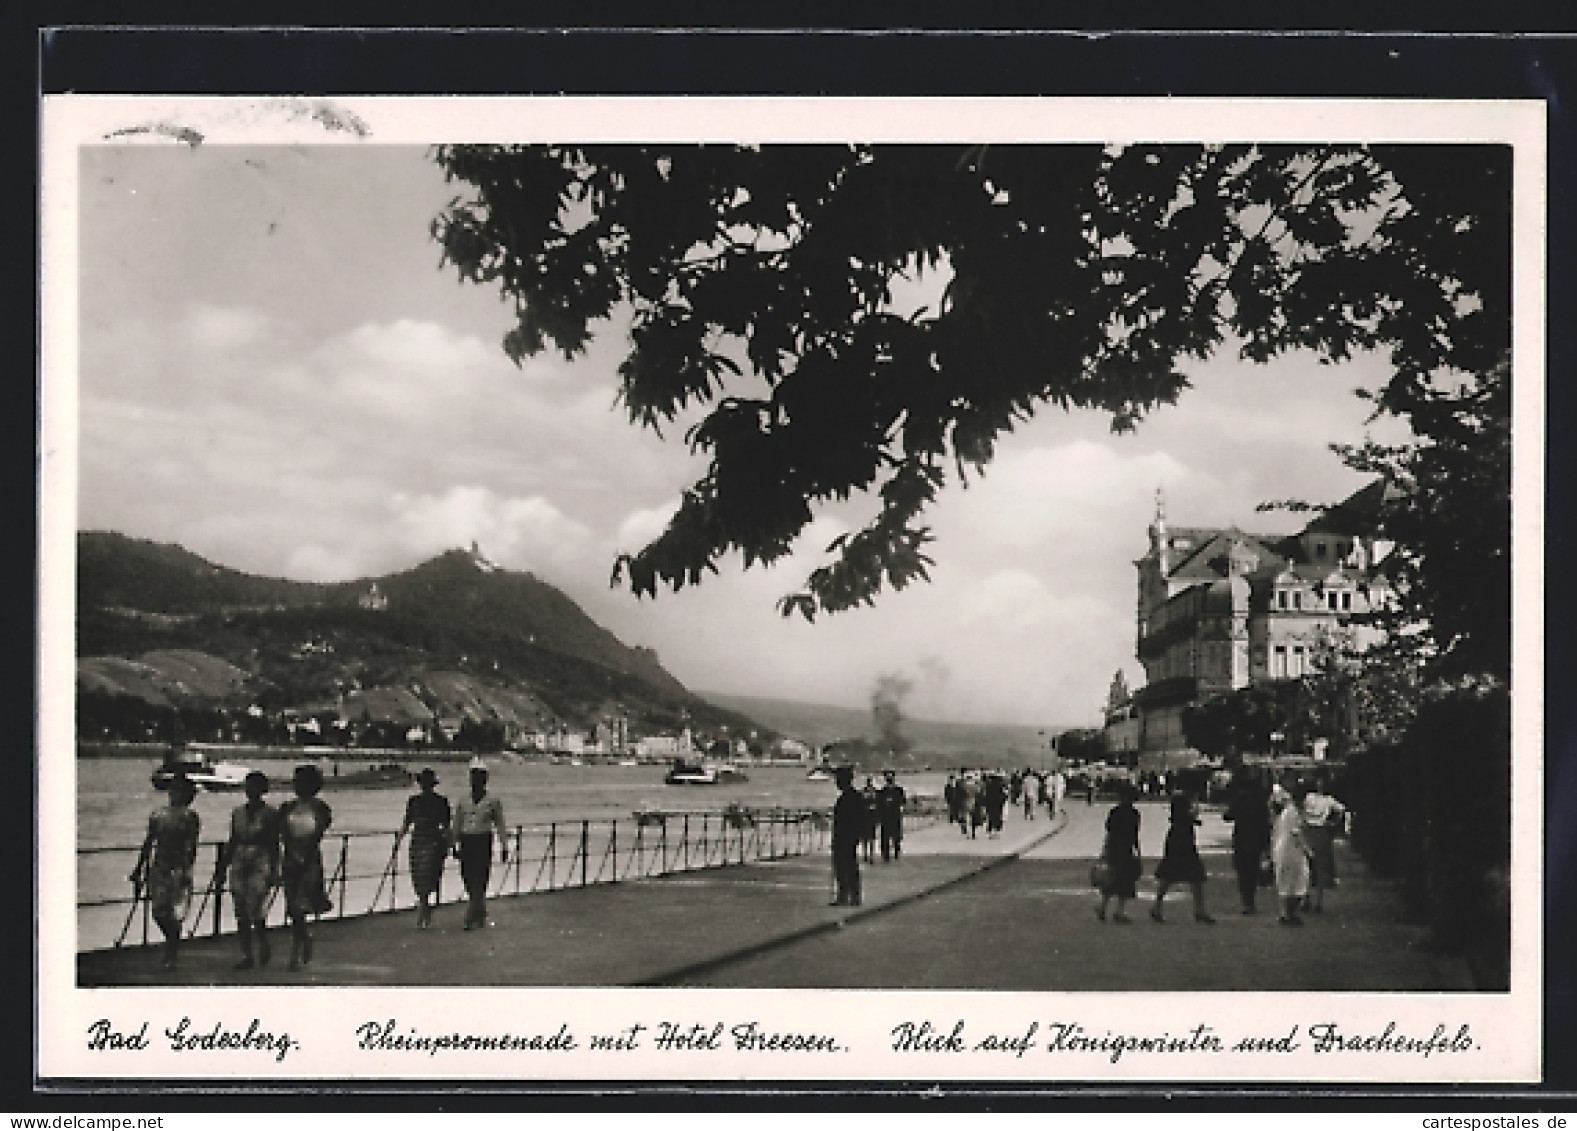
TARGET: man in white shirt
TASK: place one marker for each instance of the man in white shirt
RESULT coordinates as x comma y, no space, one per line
476,818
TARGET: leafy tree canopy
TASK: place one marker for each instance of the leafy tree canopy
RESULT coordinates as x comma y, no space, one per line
1449,515
759,282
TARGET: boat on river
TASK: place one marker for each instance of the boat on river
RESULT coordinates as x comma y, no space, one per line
202,771
704,773
385,775
820,773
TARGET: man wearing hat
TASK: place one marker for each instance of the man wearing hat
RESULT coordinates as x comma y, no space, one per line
848,827
428,819
889,810
476,818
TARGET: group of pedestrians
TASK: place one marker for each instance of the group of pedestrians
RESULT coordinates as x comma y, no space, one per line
884,806
977,798
466,830
858,816
1282,834
279,849
268,848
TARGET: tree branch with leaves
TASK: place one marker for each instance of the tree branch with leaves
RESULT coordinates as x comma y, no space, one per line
758,287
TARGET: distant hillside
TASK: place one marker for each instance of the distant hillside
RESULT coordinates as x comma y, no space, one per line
455,637
115,571
936,743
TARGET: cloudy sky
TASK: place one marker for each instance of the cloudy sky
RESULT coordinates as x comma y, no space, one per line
276,374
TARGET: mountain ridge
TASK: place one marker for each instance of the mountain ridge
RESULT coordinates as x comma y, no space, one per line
462,635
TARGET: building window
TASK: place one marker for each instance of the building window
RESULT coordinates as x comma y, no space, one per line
1278,662
1346,602
1330,600
1319,550
1297,600
1281,598
1297,667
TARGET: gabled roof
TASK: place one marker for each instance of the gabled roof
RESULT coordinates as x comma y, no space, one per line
1359,513
1200,563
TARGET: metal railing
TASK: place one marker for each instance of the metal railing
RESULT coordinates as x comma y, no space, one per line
368,873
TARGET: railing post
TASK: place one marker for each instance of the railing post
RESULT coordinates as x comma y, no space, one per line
344,867
585,830
613,848
219,887
519,860
553,851
662,848
640,856
684,843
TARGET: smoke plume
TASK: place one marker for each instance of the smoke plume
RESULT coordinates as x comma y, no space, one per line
887,711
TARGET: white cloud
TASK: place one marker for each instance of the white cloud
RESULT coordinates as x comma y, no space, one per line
640,527
313,562
224,327
526,533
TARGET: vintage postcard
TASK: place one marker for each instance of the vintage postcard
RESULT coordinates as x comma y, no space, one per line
675,589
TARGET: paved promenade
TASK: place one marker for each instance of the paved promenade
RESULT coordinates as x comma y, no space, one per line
1008,913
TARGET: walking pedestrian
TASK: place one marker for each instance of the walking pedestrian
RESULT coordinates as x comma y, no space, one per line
1120,851
868,833
1322,815
1180,863
950,796
1249,812
848,828
996,801
973,813
1289,852
302,822
889,814
476,818
164,866
429,820
1032,793
252,857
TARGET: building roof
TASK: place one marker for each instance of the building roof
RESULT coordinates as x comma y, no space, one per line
1358,513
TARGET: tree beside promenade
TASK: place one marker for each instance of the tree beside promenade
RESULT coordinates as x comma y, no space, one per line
762,287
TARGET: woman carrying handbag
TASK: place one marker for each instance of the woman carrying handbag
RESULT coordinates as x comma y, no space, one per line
1118,867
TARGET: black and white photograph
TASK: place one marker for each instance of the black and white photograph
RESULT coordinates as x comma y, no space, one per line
528,583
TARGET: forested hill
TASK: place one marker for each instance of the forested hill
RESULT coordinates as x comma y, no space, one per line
299,645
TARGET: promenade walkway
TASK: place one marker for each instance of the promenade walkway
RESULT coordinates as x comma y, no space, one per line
1008,913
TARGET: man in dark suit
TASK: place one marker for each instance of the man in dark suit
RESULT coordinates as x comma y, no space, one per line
848,828
889,814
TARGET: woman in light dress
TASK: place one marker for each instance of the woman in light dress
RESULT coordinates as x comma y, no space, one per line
1289,852
302,822
252,857
165,863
